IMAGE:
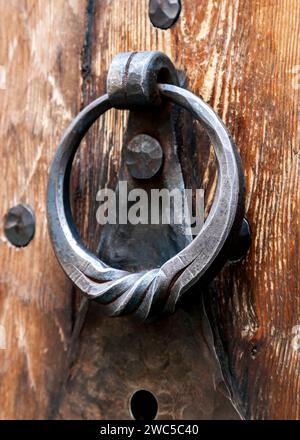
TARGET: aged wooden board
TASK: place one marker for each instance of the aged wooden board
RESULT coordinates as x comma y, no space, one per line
240,57
40,47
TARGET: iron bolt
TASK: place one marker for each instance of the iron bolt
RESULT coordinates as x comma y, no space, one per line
164,13
19,225
144,156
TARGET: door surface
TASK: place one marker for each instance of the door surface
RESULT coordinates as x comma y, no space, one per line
58,357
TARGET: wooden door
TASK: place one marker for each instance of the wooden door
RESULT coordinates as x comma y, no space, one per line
58,357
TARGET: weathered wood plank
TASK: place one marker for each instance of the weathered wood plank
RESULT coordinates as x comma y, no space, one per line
249,81
40,53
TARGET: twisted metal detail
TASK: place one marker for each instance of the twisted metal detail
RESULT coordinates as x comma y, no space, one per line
149,293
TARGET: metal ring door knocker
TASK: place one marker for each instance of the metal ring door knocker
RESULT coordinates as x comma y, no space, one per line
140,80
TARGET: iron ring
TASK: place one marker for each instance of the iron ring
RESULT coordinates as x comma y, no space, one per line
154,292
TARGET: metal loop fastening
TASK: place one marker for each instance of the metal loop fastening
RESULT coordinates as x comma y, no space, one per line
133,77
148,293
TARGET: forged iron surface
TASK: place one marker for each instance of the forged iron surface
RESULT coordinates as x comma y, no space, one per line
144,156
144,294
19,225
133,76
164,13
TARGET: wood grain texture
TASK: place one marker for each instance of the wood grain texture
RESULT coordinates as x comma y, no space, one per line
239,55
256,305
40,53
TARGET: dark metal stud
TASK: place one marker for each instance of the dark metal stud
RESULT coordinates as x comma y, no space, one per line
164,13
19,225
242,244
144,156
